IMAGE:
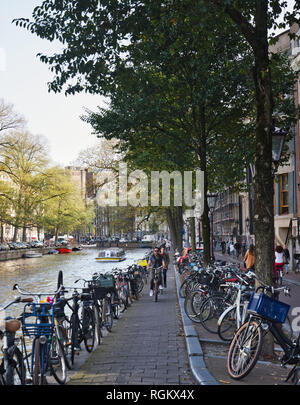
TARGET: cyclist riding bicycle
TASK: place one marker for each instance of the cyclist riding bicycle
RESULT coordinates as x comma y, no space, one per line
155,261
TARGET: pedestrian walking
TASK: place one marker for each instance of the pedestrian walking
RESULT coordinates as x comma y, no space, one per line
165,255
286,258
168,245
249,258
228,247
237,247
223,247
232,249
244,249
279,260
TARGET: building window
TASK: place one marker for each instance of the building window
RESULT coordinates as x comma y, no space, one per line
284,200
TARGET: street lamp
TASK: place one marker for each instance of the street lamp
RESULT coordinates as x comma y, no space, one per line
211,201
278,138
247,221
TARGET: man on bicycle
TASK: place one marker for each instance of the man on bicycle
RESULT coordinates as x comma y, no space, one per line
155,261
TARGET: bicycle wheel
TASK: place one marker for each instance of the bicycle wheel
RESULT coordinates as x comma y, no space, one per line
139,285
210,312
155,290
244,349
57,360
75,343
116,310
287,329
182,289
15,373
38,377
192,305
64,334
108,314
122,300
98,324
227,327
88,329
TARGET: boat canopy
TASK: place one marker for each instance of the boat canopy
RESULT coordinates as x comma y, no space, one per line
116,252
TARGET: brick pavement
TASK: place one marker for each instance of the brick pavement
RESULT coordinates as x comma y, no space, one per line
146,346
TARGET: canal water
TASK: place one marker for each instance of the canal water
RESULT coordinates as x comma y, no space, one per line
40,274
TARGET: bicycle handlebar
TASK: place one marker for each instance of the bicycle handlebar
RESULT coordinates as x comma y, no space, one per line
23,292
16,301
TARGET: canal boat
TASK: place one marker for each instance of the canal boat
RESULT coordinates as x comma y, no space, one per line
76,248
53,252
111,255
31,255
64,249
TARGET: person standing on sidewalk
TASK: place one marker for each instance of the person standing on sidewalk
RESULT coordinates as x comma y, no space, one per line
249,258
286,255
165,255
223,246
155,261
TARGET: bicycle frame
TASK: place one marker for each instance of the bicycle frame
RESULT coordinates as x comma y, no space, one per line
240,317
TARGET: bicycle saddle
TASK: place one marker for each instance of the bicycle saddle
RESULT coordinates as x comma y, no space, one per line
12,325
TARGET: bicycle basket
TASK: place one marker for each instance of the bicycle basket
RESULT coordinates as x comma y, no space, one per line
101,292
44,320
266,307
107,281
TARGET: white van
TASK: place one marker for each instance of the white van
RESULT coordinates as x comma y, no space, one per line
148,238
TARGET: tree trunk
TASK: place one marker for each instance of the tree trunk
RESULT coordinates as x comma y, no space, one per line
56,234
24,234
175,223
263,179
15,234
203,167
193,234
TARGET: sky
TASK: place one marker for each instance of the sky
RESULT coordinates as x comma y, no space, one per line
23,83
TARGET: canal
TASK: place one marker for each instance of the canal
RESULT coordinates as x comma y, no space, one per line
40,274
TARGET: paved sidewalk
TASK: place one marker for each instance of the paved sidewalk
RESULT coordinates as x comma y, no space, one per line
146,346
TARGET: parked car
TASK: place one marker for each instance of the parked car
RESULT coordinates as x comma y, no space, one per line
4,246
21,245
11,245
37,244
148,238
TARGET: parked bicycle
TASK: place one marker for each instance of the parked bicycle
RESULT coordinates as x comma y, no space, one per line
266,314
47,354
12,367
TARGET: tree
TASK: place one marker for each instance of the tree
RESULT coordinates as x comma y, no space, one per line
9,119
65,210
22,161
98,36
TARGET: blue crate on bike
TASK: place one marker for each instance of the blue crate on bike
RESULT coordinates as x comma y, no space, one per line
261,304
44,320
